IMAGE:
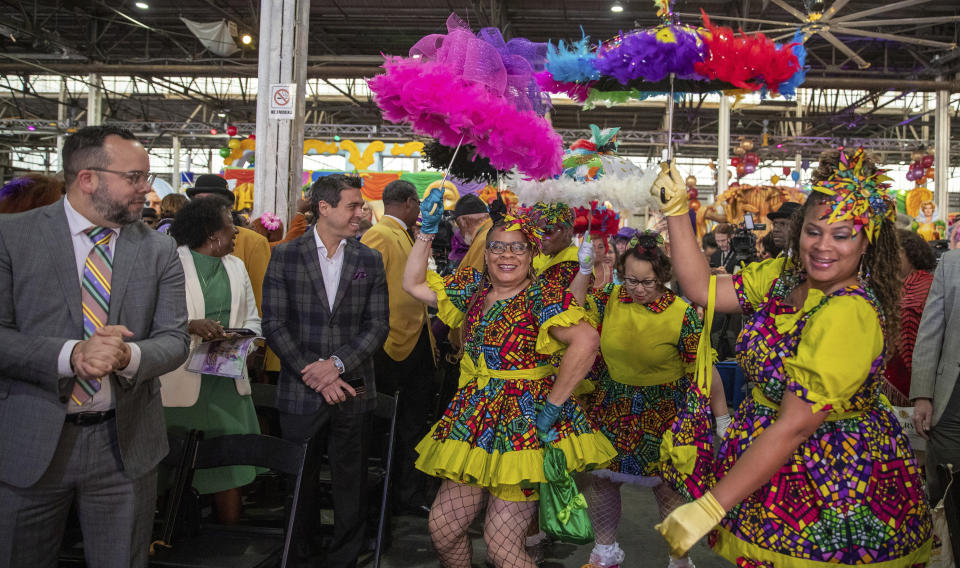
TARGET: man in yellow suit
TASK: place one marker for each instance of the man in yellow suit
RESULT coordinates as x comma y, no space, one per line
558,260
406,362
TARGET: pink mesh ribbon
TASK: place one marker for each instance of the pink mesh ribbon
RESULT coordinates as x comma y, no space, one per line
476,89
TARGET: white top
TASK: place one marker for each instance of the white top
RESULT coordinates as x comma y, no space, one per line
82,245
398,220
330,267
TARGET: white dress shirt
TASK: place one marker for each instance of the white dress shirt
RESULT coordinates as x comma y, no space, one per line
398,220
331,267
82,245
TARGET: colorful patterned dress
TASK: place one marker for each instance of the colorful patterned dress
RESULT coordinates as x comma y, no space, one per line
851,493
487,436
560,268
646,349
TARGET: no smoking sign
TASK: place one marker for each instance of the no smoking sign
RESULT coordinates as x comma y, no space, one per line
283,97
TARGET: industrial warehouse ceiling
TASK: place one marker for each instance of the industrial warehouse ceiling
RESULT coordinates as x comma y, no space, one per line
864,46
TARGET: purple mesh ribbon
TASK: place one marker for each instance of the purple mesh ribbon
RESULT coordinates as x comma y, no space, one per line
506,68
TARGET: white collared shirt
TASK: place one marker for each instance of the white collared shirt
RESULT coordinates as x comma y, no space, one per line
330,267
397,219
82,245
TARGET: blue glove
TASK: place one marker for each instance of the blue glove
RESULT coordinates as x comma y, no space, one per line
545,421
431,212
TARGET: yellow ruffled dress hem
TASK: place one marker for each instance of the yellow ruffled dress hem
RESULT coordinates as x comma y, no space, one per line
507,474
730,547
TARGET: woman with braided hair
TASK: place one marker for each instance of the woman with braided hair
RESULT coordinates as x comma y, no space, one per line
648,346
814,469
488,445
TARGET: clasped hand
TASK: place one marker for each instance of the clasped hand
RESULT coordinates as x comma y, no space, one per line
431,212
103,353
323,377
670,191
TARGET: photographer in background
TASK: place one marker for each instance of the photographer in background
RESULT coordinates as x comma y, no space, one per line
723,258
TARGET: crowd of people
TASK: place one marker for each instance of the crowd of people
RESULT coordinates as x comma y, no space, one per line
502,335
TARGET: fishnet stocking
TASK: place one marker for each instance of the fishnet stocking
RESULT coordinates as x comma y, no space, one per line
603,506
505,532
455,507
667,499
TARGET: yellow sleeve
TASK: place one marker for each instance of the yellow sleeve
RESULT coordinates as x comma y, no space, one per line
753,283
446,310
828,368
548,344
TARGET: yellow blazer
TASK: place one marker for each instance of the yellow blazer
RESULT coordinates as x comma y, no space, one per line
407,314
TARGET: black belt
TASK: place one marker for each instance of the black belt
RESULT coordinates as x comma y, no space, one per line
90,418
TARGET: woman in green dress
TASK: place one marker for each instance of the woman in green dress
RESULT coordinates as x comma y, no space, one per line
219,296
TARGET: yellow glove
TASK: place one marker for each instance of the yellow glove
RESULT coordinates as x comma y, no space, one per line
670,190
689,523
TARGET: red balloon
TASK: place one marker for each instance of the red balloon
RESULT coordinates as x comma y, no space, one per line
927,161
786,170
213,131
252,137
735,161
231,130
692,193
751,158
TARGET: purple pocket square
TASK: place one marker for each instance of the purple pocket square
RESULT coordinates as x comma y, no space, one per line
358,275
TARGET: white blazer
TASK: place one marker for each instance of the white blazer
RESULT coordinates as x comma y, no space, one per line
182,387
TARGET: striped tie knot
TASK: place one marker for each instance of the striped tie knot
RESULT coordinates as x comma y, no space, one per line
99,235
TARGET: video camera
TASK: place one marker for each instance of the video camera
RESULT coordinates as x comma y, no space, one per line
744,240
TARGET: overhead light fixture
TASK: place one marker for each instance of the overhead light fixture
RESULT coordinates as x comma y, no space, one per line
616,8
141,5
246,39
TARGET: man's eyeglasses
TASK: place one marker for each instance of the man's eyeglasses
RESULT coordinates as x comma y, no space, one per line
133,177
649,284
500,247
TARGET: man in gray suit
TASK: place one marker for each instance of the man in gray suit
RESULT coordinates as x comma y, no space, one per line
936,364
92,311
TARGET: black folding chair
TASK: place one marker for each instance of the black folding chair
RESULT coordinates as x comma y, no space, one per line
236,546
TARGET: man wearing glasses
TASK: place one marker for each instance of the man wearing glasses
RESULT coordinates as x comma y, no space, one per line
91,313
558,261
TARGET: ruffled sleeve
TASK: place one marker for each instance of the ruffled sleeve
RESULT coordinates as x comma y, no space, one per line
828,368
753,283
556,308
454,293
596,304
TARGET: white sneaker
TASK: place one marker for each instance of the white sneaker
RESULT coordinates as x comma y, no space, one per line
683,562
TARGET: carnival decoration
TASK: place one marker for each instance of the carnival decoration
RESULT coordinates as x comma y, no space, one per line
475,89
468,165
593,172
859,196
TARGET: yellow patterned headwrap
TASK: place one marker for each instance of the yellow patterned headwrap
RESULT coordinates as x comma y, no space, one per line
530,230
857,196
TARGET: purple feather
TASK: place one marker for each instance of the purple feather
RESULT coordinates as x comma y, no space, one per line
15,185
642,55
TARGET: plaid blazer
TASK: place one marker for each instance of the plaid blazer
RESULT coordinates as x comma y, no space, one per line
300,327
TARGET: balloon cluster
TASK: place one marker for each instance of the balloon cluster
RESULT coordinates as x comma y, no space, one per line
692,194
921,170
745,160
238,150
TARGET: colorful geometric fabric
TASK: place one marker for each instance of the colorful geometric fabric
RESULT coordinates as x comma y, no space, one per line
633,417
487,436
561,273
851,494
95,300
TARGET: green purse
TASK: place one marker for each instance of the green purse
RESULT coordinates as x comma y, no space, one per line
563,510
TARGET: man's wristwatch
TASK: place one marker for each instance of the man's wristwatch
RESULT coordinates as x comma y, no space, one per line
338,364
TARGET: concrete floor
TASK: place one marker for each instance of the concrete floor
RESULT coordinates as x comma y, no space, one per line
642,544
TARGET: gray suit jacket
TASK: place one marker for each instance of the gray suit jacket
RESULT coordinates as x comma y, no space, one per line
301,327
936,355
40,309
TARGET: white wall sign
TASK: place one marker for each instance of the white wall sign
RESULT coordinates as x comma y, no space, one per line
283,97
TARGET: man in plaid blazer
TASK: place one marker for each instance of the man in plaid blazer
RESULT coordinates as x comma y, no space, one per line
325,315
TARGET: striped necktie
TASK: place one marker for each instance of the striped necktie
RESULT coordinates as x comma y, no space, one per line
95,295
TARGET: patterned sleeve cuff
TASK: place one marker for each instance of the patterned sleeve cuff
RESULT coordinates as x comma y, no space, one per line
446,310
738,287
549,345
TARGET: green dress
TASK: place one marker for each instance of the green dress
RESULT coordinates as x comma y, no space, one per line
219,409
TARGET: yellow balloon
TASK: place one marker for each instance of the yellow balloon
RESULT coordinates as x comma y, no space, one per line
775,179
747,145
233,144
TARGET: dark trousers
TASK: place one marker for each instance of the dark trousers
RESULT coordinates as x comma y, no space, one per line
943,448
116,512
415,378
344,436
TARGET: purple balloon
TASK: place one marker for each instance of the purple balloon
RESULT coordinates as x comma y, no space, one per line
911,175
749,168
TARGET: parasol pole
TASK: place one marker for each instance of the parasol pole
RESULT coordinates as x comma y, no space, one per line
446,172
668,153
